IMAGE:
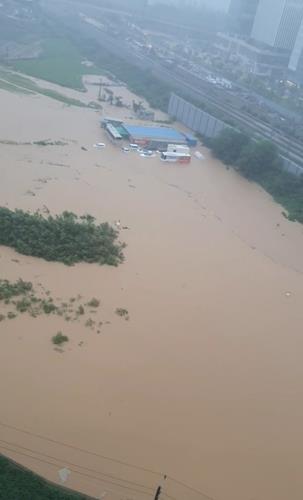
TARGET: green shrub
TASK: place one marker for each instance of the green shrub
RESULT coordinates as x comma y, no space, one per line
11,315
90,323
9,290
123,313
59,339
23,305
80,310
94,303
48,307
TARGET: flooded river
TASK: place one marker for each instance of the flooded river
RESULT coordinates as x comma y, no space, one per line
204,382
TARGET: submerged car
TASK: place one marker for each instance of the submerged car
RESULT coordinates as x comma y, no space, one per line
147,154
134,147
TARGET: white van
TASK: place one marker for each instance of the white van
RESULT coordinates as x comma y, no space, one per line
178,148
133,147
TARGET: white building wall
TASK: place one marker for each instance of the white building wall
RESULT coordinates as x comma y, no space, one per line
277,22
289,24
267,21
297,50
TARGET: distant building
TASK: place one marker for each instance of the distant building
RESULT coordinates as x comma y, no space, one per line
179,3
252,58
242,15
277,22
296,59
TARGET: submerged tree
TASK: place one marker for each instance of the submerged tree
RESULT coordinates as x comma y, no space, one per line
64,238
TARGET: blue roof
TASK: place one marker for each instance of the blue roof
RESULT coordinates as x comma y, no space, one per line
154,133
190,137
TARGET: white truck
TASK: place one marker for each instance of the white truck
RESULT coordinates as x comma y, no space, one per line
178,148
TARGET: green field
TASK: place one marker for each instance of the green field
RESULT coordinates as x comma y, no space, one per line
13,82
59,63
5,85
19,484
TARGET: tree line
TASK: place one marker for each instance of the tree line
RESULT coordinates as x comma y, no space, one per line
260,161
63,238
16,482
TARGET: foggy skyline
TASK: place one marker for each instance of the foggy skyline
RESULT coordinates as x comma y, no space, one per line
213,4
218,4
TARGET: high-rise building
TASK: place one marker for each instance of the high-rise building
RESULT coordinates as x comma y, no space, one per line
296,59
242,15
277,22
297,50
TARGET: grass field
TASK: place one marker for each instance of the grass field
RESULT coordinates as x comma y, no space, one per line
19,484
60,62
14,82
5,85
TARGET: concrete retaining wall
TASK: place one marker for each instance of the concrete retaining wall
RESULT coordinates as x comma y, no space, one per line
208,126
194,118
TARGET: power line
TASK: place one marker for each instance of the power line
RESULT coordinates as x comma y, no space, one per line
108,490
168,496
104,457
45,438
65,462
194,490
89,476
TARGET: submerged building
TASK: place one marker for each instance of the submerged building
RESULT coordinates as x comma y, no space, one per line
156,138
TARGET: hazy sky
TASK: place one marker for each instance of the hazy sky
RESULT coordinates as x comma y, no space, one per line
214,4
218,4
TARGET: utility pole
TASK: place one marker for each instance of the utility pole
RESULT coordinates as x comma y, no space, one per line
159,489
100,91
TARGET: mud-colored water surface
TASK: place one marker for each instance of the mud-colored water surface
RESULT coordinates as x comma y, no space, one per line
204,382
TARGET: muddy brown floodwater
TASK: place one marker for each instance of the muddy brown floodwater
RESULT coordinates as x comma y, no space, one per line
204,382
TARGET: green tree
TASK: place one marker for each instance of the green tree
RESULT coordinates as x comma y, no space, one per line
229,145
258,159
63,238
